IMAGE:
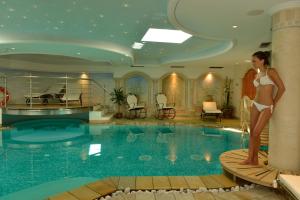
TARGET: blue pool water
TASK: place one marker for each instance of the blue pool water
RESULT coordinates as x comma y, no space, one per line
45,151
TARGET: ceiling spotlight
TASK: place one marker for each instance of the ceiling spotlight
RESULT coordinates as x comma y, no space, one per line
137,45
248,61
78,53
234,26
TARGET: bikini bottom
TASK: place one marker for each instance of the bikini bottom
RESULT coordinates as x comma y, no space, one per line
261,107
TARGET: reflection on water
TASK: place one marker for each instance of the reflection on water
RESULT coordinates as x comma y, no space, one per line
44,151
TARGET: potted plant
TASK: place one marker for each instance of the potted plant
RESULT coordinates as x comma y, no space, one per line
118,97
227,107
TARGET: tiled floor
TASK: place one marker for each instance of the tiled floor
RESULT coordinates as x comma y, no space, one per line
180,120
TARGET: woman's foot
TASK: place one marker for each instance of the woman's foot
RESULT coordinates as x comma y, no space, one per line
246,162
253,163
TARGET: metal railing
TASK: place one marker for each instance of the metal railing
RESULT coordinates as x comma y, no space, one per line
33,91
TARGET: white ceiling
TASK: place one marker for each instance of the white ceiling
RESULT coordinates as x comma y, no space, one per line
90,35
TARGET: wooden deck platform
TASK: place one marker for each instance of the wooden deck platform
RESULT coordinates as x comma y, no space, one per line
110,185
260,174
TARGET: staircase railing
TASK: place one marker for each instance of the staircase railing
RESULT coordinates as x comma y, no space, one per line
33,91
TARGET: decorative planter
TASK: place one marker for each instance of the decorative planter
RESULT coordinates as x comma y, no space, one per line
227,112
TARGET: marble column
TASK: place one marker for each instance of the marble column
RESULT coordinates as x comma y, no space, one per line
284,143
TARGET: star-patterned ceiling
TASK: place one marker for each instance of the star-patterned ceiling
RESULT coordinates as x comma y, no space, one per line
102,32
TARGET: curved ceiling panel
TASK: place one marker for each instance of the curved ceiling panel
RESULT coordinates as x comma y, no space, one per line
104,31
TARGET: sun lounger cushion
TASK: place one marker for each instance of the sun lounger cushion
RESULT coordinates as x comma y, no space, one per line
292,183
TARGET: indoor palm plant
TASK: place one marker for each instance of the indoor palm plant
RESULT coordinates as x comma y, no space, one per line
227,106
118,97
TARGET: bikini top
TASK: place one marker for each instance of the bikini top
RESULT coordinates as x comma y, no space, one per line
262,80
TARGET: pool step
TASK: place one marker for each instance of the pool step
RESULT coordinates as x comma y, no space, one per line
96,190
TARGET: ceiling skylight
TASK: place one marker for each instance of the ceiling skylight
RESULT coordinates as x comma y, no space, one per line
165,35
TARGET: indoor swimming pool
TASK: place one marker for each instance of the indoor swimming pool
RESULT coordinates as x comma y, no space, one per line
48,151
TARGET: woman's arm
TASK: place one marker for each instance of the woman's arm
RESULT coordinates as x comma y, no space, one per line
278,82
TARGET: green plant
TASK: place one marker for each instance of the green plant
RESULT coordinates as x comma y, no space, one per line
227,92
118,97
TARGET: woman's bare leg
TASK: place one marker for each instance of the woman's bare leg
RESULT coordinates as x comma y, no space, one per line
254,115
263,119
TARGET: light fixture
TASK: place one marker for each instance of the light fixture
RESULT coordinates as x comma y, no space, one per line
137,45
234,26
248,61
165,35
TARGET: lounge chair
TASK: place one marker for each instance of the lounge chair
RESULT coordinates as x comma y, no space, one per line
134,109
73,94
209,108
164,110
72,97
291,184
54,93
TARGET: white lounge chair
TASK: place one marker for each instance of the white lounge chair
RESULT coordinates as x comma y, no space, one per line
209,108
164,110
73,94
72,97
291,184
135,110
53,92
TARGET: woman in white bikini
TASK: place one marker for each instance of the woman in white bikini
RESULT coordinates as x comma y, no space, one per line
264,102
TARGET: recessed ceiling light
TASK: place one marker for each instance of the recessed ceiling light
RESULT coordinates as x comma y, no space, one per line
165,35
78,53
248,61
234,26
137,45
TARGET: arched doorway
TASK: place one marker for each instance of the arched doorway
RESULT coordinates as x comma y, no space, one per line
173,86
210,87
138,85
